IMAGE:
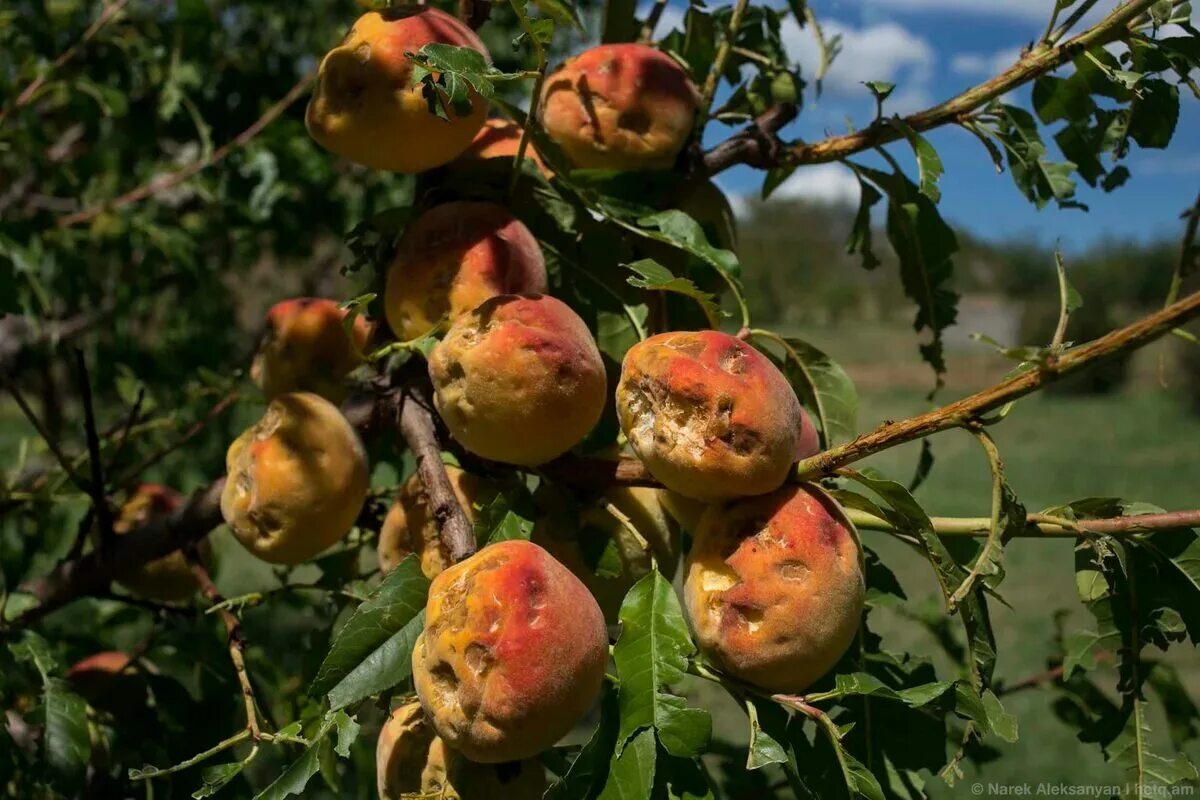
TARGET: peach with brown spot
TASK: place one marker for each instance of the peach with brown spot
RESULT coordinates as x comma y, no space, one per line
452,258
307,348
409,526
709,416
512,655
774,587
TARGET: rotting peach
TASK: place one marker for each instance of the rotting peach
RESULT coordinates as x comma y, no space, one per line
365,106
410,759
296,481
306,348
500,138
108,681
709,416
168,579
452,258
409,526
519,379
512,655
611,544
774,587
619,106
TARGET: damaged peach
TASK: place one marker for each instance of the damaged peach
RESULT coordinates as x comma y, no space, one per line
307,348
409,526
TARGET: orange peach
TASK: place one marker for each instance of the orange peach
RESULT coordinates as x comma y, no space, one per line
519,379
108,681
307,348
709,416
513,653
452,258
774,587
296,481
620,106
411,760
410,528
609,549
168,579
499,138
365,107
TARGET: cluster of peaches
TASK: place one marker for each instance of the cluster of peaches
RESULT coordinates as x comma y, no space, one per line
515,644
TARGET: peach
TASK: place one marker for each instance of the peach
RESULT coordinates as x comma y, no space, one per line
365,107
452,258
499,138
774,587
620,106
412,760
108,681
306,348
410,528
296,481
167,579
513,653
607,553
709,416
519,379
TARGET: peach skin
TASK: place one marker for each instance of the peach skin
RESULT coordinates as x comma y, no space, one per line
500,138
619,106
512,655
410,528
709,416
411,760
452,258
167,579
297,480
364,106
519,379
307,348
774,587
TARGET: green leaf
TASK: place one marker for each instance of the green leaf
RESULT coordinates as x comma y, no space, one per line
508,516
862,683
347,731
631,773
823,387
68,745
590,767
215,778
393,604
655,277
768,729
295,778
652,653
858,779
1155,113
859,240
1040,179
929,163
383,668
1130,750
560,12
1183,717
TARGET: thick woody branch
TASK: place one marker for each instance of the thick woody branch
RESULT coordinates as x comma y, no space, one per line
758,145
417,427
971,408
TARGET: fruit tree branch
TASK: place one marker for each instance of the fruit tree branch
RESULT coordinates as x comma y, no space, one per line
969,408
172,179
1038,61
757,145
1041,525
417,427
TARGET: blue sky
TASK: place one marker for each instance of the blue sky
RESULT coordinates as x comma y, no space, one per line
934,49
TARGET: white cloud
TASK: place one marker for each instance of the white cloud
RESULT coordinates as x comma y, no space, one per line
1023,9
832,184
984,64
884,52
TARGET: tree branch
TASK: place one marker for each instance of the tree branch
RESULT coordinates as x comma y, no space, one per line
955,414
1041,525
416,425
758,145
164,182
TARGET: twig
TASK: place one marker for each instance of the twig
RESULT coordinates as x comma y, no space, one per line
1071,21
170,180
99,491
133,473
51,443
955,414
416,425
27,94
127,428
656,12
237,639
1042,525
531,115
995,528
1060,330
718,66
20,333
758,145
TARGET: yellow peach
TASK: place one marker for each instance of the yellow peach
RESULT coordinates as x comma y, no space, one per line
306,348
410,528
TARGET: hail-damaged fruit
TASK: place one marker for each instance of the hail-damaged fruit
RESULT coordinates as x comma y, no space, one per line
710,416
619,106
499,138
774,587
296,480
411,760
519,379
512,655
167,579
365,106
307,348
452,258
